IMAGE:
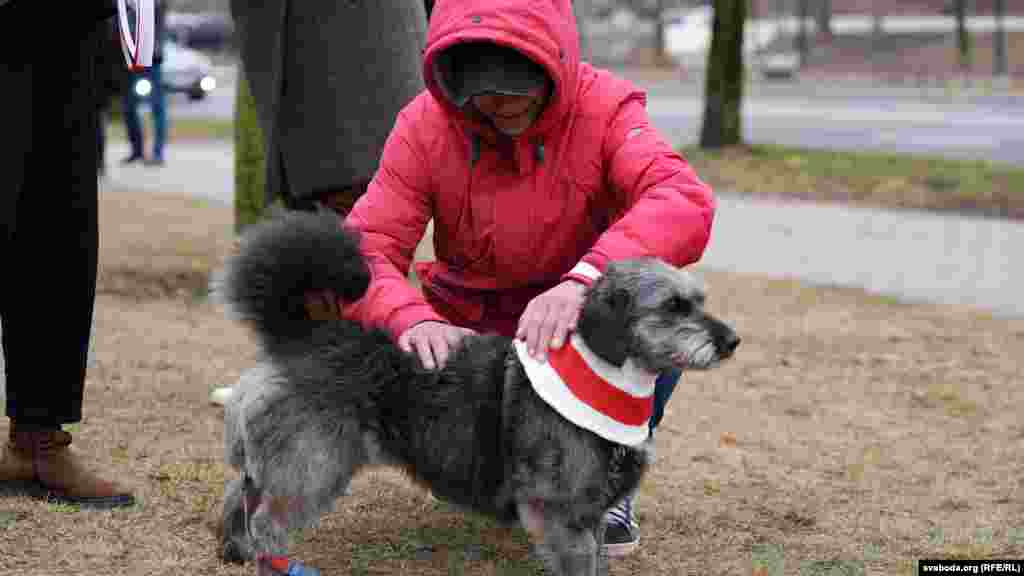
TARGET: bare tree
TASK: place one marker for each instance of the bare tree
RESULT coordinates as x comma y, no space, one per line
963,39
1000,65
723,88
803,45
824,18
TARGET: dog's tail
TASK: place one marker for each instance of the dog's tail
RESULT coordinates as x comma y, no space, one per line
278,261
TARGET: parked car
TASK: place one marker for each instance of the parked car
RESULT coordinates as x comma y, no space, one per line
184,70
203,31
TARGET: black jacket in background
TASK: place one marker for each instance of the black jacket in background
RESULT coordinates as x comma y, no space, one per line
328,79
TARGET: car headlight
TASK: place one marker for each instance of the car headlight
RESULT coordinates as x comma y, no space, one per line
143,87
208,83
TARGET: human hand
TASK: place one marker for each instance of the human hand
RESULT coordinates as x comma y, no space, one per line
322,305
550,317
432,341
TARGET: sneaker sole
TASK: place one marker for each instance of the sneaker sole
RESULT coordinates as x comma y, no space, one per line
220,396
92,503
621,549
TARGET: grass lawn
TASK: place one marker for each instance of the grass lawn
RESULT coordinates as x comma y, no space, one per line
870,179
181,129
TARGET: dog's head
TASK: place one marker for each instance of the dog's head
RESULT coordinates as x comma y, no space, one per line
651,312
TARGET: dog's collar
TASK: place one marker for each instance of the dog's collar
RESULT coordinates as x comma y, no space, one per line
613,402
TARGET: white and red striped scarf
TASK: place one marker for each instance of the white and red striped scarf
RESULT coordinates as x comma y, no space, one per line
611,401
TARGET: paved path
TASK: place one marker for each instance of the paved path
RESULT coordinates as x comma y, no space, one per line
912,255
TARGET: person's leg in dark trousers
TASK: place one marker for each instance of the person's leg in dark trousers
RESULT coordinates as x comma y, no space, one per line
158,108
663,389
622,534
101,142
49,252
48,302
132,121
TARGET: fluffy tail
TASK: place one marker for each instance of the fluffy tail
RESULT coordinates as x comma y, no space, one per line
264,284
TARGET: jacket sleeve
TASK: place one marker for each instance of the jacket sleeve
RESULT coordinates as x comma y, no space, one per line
391,217
661,208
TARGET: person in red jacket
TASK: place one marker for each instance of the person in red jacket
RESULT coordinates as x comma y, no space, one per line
537,170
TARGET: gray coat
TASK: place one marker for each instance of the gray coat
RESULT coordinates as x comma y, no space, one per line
328,79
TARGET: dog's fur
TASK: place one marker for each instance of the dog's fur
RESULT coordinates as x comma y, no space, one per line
332,397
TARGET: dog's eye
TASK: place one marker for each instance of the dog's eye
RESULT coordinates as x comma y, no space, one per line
681,306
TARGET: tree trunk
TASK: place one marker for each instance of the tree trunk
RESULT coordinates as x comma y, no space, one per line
877,30
963,39
250,171
660,54
1000,65
824,19
723,87
803,45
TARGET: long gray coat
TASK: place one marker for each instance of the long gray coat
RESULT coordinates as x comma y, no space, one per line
328,79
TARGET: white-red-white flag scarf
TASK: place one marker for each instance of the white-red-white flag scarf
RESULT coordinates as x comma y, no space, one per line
613,402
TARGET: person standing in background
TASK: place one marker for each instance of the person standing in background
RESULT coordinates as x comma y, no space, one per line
156,98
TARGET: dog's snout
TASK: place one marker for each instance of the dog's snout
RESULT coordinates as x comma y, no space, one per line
726,339
731,343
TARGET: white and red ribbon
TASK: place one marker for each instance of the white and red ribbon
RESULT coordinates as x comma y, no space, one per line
137,43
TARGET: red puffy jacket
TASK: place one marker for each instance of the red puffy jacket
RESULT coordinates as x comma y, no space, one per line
589,182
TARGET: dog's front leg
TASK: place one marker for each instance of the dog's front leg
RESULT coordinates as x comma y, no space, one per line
254,522
235,543
565,550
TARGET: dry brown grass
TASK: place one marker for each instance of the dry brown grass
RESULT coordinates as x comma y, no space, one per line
849,428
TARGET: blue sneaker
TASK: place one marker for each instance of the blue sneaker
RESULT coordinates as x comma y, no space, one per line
622,533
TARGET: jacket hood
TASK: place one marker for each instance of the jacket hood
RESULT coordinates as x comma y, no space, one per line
543,30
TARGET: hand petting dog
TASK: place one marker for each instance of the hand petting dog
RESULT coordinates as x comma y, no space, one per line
550,317
432,341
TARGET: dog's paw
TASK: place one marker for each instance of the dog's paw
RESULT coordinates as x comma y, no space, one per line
235,552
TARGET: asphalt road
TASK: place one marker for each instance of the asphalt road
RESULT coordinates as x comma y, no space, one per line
869,124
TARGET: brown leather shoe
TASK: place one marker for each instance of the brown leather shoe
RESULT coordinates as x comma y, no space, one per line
15,465
57,469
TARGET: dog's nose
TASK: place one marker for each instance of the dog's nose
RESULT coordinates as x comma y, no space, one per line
732,342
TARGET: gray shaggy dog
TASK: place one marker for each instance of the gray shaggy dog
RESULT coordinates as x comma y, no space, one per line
330,398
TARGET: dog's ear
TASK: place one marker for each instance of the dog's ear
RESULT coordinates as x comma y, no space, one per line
604,320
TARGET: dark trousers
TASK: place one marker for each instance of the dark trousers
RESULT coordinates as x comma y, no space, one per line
157,106
664,386
48,220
